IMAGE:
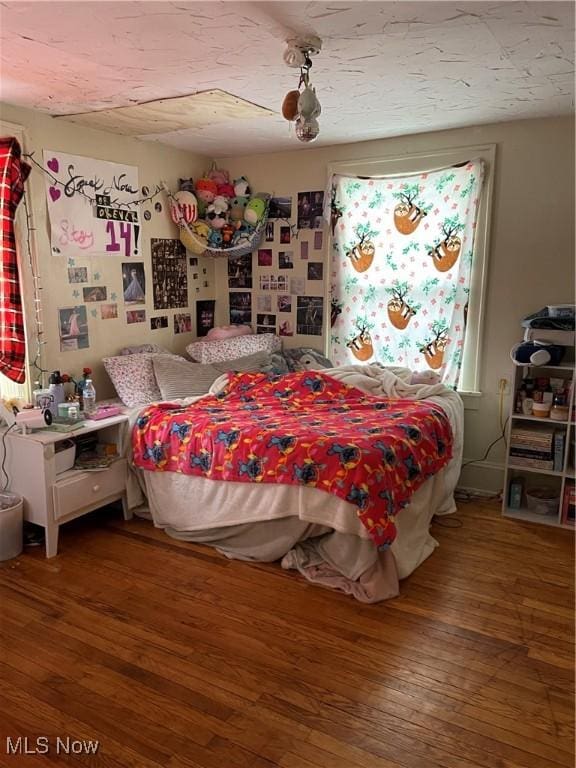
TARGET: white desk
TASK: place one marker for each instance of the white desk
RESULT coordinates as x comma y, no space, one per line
52,499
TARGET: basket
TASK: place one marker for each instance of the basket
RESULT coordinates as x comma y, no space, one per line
198,246
244,248
543,500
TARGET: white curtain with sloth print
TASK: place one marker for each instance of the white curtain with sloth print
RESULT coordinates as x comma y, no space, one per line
401,266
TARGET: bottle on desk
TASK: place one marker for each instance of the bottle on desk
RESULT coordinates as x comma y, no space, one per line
89,397
56,392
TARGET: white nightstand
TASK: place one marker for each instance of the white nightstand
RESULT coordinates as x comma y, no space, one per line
52,499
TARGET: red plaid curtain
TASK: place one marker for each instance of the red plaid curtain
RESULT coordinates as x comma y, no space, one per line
13,174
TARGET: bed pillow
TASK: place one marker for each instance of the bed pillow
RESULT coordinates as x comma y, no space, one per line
133,377
180,378
229,349
139,348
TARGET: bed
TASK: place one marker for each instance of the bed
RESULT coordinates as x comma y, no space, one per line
322,534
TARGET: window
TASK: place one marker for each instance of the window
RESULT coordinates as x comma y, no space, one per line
409,261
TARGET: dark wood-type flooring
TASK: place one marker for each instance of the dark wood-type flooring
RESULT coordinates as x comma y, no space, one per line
171,655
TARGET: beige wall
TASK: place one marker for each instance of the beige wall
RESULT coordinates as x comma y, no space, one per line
531,255
155,162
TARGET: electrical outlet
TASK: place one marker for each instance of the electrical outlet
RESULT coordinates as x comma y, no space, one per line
504,385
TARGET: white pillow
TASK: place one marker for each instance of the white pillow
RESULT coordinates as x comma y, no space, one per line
180,378
133,377
229,349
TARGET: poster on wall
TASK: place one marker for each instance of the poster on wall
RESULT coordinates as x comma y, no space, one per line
97,293
280,208
264,257
135,316
169,273
240,272
315,270
73,327
78,274
156,323
134,282
205,316
310,210
265,323
285,303
91,206
264,303
109,311
285,260
182,323
285,328
309,315
241,307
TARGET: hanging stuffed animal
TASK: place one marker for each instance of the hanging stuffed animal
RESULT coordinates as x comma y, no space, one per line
243,234
226,190
290,105
237,208
219,176
195,237
255,211
227,232
183,207
215,239
308,105
206,189
217,213
241,187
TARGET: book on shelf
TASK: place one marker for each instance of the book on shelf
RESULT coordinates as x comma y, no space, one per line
526,440
529,453
536,436
523,461
559,443
568,516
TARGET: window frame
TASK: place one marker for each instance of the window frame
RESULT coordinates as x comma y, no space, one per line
425,162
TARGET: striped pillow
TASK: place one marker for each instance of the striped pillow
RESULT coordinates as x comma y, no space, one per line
179,378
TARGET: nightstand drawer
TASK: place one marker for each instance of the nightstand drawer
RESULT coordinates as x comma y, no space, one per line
86,489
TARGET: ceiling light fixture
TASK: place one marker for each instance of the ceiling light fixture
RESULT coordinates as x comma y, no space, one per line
301,105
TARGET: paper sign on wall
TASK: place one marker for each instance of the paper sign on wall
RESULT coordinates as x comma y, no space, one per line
107,223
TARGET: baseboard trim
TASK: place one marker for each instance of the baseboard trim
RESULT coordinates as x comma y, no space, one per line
476,491
489,475
493,465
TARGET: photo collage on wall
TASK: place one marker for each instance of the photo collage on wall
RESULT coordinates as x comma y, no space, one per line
109,275
288,265
169,274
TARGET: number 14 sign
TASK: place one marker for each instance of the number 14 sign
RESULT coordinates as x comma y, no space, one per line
92,206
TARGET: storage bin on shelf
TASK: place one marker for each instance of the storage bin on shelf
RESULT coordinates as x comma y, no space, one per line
544,500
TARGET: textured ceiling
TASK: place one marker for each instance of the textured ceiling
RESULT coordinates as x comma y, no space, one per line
386,68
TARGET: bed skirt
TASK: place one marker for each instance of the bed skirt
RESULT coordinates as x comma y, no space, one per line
307,529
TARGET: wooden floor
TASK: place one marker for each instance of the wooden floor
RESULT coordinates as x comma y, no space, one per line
171,655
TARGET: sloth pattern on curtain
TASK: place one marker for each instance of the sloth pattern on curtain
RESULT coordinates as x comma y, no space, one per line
402,251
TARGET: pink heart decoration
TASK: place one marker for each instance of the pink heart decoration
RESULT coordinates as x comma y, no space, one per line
53,164
54,193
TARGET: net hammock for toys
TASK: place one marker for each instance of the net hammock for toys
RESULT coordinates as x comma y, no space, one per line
198,245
